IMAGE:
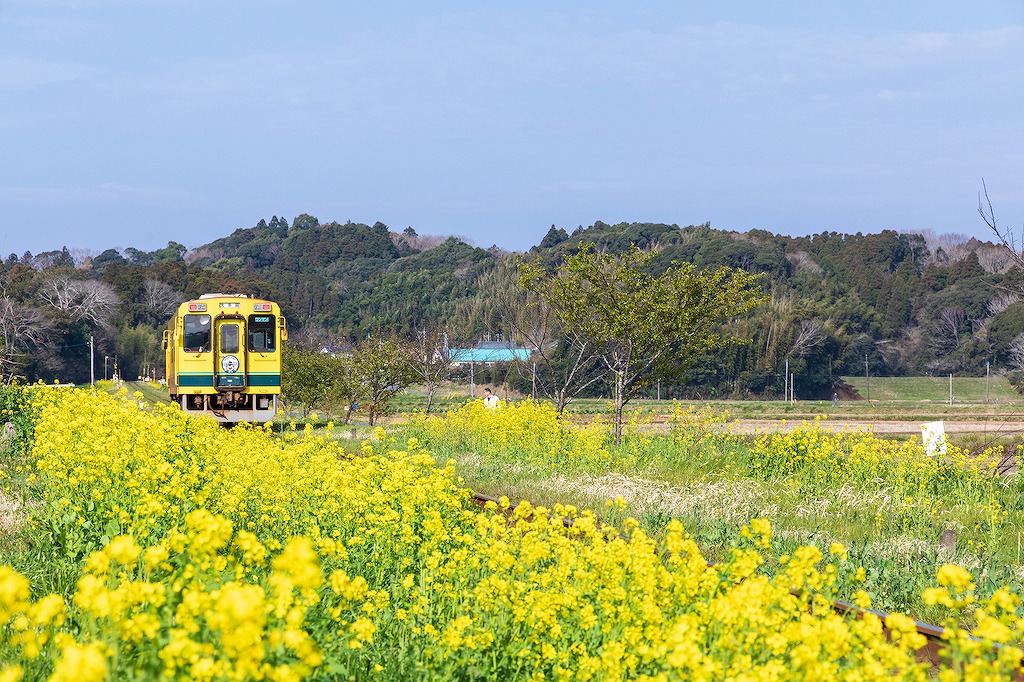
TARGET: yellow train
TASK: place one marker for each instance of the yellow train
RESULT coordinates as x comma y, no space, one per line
223,354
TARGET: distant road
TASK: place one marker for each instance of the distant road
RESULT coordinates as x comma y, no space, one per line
887,427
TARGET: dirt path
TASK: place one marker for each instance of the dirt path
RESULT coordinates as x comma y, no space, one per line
1006,428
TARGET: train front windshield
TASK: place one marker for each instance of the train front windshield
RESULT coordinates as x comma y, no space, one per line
261,333
229,338
197,334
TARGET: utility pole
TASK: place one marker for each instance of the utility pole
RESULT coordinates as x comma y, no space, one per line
950,388
92,364
533,391
785,384
986,380
867,378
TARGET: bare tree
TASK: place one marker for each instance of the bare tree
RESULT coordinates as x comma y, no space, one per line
946,330
891,352
801,261
21,330
418,242
1017,352
82,256
567,359
811,335
430,361
58,291
913,348
1006,237
943,247
161,296
951,320
315,336
1001,302
81,299
993,258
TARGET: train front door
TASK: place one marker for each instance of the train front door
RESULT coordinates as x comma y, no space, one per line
231,359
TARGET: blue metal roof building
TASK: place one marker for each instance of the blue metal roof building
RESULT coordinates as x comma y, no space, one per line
489,351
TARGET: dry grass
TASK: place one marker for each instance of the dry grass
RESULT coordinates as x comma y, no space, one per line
728,501
10,513
848,501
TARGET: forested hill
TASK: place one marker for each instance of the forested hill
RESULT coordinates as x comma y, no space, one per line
904,303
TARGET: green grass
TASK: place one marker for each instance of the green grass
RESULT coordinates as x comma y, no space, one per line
151,391
935,389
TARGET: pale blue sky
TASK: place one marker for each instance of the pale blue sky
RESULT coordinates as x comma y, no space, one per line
132,122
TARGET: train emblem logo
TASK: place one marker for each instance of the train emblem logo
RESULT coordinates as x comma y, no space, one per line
229,363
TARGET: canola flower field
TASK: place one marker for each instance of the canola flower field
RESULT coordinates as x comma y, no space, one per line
887,501
160,546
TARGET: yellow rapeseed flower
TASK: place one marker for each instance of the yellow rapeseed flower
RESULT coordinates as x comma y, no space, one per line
14,594
957,577
80,663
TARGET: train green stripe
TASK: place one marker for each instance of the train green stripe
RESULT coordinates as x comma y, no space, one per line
207,379
195,379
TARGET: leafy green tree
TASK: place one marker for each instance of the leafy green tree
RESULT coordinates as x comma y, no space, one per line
565,357
554,237
380,370
1003,329
108,257
138,349
315,380
170,253
137,257
54,259
304,221
645,326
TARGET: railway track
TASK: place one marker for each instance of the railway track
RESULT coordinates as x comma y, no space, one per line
933,634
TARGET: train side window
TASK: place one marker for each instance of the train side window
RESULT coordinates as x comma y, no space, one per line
261,333
228,338
197,334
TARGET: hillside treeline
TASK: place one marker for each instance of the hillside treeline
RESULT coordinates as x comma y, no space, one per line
838,304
